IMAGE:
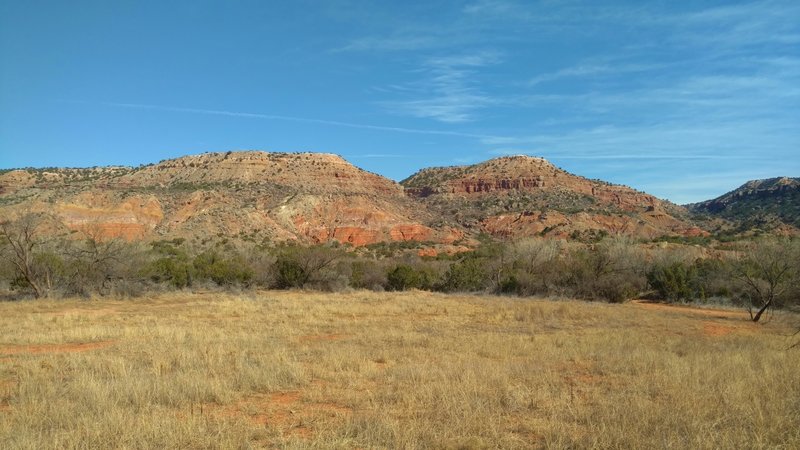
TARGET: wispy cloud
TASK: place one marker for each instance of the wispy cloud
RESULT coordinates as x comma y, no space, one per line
593,70
398,42
451,94
741,25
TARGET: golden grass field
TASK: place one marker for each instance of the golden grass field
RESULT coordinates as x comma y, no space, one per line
391,370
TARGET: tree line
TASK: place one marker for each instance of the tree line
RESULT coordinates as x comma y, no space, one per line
758,274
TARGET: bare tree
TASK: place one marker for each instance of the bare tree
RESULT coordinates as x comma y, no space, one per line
767,270
22,240
297,267
535,262
95,263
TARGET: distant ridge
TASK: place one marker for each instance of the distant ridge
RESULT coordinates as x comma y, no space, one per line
766,203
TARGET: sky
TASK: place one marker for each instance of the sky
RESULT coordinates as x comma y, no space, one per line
685,100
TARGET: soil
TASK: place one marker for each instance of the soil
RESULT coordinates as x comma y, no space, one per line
287,411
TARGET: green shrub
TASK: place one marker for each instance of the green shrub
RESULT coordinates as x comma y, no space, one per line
403,277
176,272
223,271
466,275
171,264
289,274
674,282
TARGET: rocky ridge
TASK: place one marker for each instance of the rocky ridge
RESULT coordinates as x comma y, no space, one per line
771,204
255,196
314,198
523,196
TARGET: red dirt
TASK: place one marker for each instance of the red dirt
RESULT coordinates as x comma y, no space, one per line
581,372
15,349
709,312
285,410
720,322
716,329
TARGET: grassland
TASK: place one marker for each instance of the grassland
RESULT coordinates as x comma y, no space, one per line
401,370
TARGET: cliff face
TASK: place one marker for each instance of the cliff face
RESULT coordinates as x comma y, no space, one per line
522,195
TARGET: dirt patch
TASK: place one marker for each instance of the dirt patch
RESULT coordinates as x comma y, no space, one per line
29,349
692,310
712,328
717,329
285,411
581,373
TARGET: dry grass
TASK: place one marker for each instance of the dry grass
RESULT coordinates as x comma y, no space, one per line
405,370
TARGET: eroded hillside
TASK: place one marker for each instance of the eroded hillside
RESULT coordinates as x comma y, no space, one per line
255,196
525,196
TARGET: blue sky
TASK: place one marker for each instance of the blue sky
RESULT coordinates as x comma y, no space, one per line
685,100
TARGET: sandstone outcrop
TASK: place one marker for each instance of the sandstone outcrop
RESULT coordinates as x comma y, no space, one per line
526,196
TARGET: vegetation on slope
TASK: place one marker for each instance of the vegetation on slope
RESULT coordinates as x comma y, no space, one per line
757,204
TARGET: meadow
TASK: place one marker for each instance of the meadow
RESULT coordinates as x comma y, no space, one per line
413,369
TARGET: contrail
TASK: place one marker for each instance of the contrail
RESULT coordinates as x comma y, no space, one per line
298,119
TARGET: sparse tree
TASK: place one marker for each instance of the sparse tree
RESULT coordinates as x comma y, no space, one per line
22,240
298,266
94,263
767,270
612,270
535,264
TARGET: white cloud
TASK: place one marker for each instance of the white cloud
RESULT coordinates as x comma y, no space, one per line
592,70
451,93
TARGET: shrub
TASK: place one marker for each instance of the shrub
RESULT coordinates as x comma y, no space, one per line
221,270
174,271
534,267
611,271
289,274
674,282
403,277
368,274
466,275
299,267
171,264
